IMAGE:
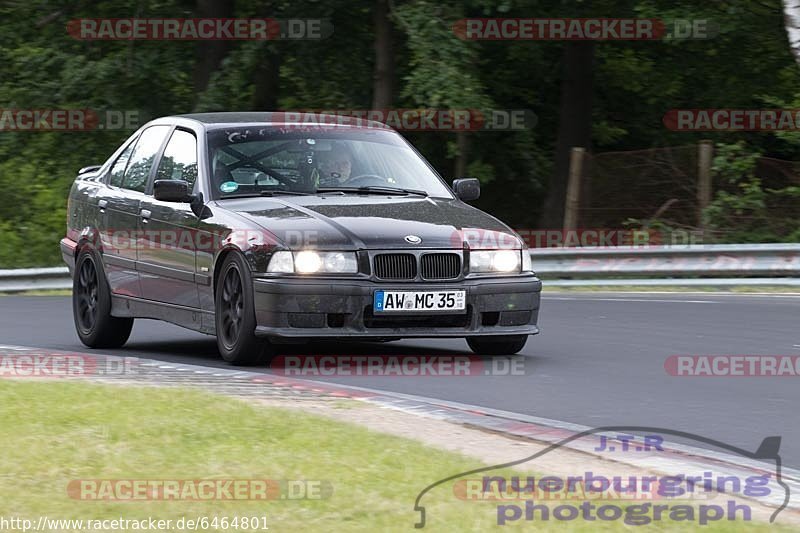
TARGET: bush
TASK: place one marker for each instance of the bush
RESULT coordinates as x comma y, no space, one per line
744,210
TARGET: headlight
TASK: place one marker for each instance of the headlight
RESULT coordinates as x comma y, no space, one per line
307,262
527,264
494,261
281,262
311,262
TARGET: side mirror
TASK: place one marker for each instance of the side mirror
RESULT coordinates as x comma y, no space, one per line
90,168
171,191
467,189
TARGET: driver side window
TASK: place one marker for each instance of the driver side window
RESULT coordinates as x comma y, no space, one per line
179,161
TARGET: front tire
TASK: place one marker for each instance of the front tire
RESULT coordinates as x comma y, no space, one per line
500,345
91,306
235,315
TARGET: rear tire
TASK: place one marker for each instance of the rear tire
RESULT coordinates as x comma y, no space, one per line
91,305
235,315
501,345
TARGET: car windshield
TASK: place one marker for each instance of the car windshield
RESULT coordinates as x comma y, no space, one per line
264,161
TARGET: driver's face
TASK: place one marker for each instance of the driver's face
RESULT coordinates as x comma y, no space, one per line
337,168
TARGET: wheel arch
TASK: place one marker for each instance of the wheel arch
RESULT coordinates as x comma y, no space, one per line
220,260
254,257
89,237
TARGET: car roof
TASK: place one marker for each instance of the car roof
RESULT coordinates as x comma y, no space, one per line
238,118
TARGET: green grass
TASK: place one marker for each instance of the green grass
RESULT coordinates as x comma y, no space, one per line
54,432
41,292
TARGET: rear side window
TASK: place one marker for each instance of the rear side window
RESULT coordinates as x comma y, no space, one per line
141,160
118,170
179,161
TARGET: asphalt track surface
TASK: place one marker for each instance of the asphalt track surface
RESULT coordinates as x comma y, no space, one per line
598,361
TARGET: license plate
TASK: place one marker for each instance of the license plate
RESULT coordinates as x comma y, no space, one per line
418,301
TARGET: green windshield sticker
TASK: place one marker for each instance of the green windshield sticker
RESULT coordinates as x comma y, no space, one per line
229,186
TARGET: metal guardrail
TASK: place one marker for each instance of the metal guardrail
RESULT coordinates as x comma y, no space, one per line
709,265
34,279
726,260
713,265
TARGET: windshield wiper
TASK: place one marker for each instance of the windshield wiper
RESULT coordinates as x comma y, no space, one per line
291,193
373,190
264,193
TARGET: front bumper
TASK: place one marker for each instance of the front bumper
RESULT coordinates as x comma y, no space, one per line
342,308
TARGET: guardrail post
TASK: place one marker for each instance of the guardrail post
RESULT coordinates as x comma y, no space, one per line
705,153
574,187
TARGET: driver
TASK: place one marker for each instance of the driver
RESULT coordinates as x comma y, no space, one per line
335,169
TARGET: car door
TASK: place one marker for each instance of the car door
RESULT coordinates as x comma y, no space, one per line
119,210
116,222
166,260
127,182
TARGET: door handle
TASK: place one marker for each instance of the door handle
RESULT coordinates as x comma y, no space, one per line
145,215
102,204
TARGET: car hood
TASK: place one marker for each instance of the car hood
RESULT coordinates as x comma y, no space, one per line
370,222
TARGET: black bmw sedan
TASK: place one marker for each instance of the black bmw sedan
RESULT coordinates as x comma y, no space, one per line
262,231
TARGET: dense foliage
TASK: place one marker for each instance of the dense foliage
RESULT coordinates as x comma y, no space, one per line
747,65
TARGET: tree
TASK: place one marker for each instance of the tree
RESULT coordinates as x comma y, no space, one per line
210,53
791,22
383,77
574,126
